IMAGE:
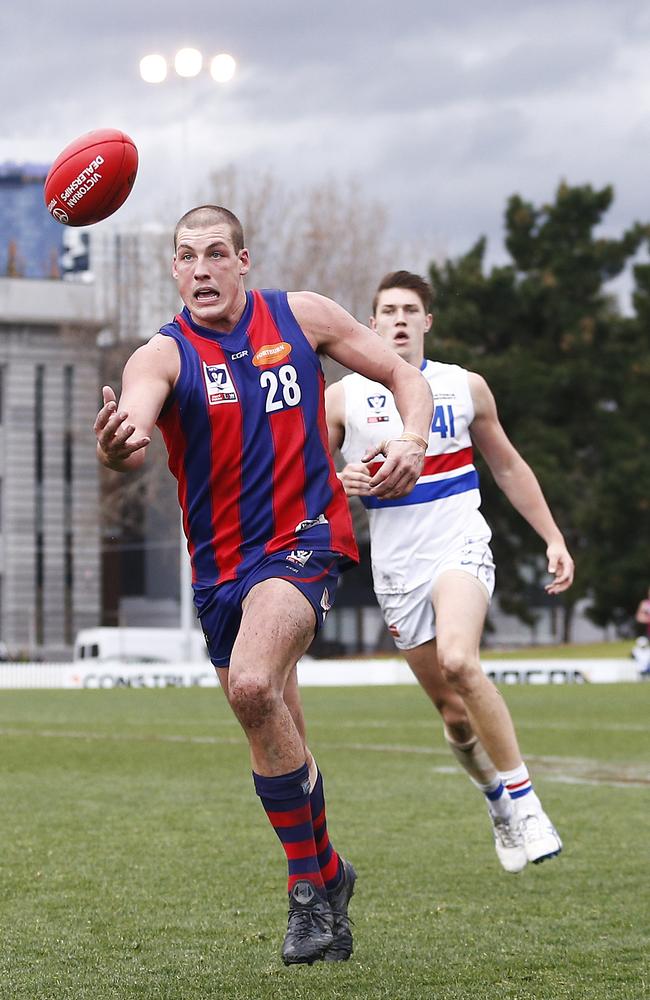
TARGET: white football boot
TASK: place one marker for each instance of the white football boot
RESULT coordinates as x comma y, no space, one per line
509,842
541,839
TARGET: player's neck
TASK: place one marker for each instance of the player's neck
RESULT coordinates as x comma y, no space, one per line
224,322
416,359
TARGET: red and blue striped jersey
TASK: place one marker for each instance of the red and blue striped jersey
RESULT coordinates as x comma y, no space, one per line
247,441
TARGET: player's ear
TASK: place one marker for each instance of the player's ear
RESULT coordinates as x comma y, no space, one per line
428,322
244,262
372,324
174,268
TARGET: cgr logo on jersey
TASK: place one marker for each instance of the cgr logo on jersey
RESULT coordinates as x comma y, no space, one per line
271,354
376,404
219,384
300,556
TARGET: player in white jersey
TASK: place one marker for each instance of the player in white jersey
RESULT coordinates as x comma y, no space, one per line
432,566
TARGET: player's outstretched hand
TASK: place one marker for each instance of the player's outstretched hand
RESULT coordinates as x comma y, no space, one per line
114,433
560,564
356,479
399,473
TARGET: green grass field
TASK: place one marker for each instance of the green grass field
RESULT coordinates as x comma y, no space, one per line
616,649
136,861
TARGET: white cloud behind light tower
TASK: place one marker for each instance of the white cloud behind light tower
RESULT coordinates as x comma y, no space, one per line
154,68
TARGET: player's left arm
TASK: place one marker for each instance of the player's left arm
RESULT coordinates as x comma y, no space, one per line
329,328
518,481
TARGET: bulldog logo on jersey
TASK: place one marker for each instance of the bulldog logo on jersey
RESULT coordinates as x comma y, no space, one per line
377,404
219,384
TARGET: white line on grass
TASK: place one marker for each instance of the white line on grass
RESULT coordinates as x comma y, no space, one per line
585,771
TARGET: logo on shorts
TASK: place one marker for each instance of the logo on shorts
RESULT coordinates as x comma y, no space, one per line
300,556
325,602
376,404
219,384
271,354
393,629
311,523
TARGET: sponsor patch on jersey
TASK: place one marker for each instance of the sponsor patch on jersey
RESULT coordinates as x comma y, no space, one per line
219,384
271,354
300,556
311,523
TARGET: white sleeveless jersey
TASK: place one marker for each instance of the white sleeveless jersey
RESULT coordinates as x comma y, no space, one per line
408,535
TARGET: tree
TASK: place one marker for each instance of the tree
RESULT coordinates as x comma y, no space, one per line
327,237
565,367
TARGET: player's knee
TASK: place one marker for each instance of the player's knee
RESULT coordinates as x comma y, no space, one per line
458,668
252,699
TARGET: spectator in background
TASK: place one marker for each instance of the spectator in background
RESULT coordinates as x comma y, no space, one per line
643,615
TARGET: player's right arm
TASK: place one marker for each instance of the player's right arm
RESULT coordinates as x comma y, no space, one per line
355,477
123,430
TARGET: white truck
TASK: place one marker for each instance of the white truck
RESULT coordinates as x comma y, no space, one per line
140,645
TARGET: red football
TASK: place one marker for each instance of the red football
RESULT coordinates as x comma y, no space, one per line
91,178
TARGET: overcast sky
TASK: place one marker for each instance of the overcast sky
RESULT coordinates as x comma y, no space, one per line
441,109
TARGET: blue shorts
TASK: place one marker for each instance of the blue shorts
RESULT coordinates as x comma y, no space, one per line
219,608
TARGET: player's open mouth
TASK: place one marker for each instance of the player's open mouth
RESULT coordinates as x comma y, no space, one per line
206,295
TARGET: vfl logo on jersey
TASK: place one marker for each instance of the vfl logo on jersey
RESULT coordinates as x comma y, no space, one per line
300,556
376,404
305,525
271,354
219,384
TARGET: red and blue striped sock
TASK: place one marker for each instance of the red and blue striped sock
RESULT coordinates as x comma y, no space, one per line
286,801
328,859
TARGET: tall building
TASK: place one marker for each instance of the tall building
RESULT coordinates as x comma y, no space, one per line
49,486
31,241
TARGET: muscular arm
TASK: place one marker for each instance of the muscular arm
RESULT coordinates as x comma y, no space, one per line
333,330
518,481
124,430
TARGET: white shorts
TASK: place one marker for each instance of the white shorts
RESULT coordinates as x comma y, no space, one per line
410,616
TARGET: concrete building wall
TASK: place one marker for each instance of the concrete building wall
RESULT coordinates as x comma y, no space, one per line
49,483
